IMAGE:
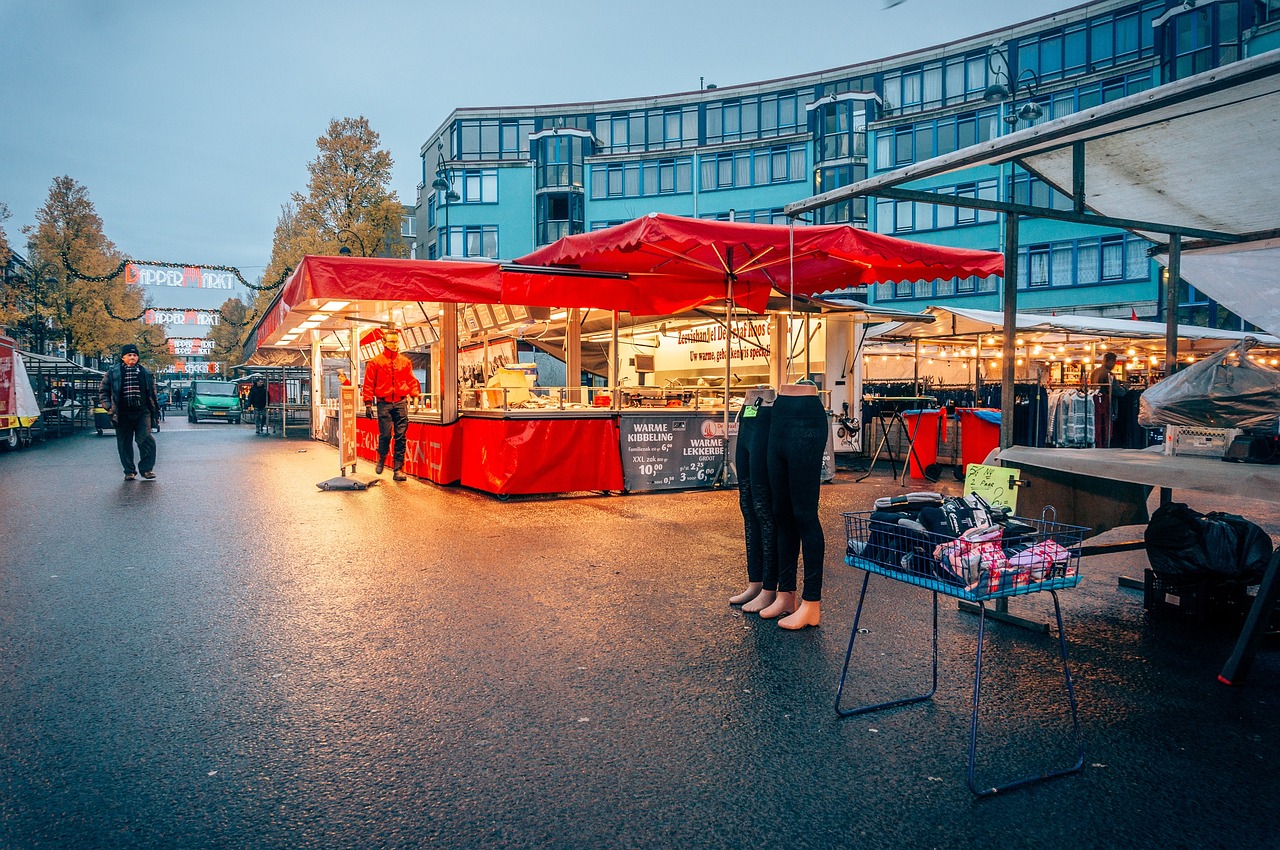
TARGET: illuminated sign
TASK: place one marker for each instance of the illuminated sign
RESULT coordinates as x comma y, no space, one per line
190,276
190,345
206,318
193,367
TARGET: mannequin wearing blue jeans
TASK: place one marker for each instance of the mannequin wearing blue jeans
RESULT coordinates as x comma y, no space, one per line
797,441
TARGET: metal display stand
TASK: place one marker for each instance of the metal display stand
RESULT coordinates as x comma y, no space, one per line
889,412
908,556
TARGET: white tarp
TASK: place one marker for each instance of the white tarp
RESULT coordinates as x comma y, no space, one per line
1244,279
24,397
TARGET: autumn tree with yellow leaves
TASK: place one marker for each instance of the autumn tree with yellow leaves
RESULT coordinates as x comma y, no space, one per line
93,317
348,202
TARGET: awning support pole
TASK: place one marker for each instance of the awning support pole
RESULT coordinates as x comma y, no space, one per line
1010,329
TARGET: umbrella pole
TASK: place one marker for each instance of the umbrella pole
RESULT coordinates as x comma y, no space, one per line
723,478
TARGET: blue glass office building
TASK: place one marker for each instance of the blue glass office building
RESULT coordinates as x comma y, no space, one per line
498,182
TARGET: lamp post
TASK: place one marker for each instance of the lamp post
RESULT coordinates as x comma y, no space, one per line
443,184
40,279
344,235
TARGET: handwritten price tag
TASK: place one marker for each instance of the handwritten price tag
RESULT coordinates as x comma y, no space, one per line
993,484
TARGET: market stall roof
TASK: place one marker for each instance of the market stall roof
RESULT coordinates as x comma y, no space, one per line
676,263
956,321
44,364
1199,158
325,293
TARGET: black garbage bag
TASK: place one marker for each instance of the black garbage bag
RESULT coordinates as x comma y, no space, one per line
1225,390
1181,541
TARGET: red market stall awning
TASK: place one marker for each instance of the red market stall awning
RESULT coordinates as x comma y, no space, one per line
321,284
382,279
673,264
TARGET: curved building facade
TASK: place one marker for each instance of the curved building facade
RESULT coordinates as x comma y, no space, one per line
498,182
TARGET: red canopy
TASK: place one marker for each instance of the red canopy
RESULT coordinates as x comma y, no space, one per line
381,279
675,264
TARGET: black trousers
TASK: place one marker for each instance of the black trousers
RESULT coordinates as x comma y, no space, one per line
797,440
134,426
393,422
752,461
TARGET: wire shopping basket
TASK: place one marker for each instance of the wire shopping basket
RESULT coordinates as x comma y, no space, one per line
1021,556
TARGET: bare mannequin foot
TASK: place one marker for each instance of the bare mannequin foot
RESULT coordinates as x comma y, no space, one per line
784,604
762,600
752,591
808,614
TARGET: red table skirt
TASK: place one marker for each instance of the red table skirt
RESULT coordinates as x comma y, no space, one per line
510,456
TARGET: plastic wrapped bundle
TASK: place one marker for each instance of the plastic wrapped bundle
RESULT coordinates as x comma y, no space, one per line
1226,390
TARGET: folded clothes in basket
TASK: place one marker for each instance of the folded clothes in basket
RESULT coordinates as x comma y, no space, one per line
1041,559
911,502
973,553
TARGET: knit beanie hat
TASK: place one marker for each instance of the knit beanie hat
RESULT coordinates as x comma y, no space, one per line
128,348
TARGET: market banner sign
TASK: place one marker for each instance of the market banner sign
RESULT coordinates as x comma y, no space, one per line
194,277
193,367
190,345
198,318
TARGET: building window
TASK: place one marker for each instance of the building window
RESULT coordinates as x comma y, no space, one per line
853,210
757,167
1201,38
647,130
489,138
408,226
647,178
472,241
559,214
560,161
763,117
478,187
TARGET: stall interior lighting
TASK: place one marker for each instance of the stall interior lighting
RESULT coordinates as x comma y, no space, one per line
333,306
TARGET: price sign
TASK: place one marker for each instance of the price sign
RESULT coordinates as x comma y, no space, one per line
674,451
994,483
347,426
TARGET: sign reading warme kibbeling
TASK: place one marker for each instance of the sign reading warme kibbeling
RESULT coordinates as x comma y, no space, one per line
184,287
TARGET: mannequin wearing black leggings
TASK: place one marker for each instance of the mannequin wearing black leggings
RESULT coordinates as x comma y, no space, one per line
753,497
797,441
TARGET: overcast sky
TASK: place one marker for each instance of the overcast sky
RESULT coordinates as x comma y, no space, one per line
190,124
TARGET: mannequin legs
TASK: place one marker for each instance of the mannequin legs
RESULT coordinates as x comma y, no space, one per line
762,600
783,603
808,614
752,591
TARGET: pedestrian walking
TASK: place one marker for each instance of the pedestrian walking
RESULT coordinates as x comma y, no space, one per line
258,401
128,393
389,380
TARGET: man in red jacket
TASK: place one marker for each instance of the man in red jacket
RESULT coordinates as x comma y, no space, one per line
389,380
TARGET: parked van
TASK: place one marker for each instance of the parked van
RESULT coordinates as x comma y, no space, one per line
213,400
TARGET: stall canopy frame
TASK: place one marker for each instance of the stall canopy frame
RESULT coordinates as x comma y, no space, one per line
1186,140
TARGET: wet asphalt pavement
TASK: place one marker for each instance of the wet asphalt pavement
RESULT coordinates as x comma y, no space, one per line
228,657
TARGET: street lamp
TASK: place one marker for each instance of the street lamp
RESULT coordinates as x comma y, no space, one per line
1000,90
40,278
443,184
345,250
1029,111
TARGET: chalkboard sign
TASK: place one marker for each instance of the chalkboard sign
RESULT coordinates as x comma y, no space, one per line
993,483
675,451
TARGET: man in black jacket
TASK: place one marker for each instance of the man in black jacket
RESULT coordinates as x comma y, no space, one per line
128,392
258,401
